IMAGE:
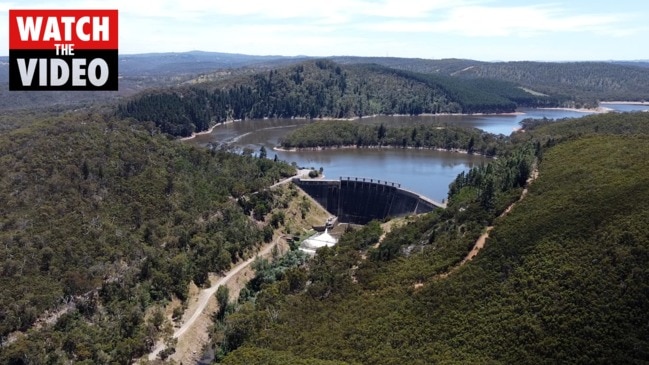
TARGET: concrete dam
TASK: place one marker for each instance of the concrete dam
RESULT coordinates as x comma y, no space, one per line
360,200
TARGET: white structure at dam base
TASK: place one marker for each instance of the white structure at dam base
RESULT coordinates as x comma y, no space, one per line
314,242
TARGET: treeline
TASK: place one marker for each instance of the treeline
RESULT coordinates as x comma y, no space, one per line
562,277
550,132
442,136
477,95
322,89
586,83
108,218
571,83
500,176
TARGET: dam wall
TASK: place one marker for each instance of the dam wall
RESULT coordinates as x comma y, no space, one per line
360,200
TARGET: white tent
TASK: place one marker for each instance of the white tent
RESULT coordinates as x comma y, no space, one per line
311,244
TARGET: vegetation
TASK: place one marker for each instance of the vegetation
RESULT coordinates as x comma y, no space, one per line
319,89
104,220
338,273
140,72
550,132
245,356
345,133
571,83
107,219
561,280
585,82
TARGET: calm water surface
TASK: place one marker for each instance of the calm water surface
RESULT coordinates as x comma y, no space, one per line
424,171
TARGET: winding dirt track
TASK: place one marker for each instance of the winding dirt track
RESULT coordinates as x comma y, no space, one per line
205,296
482,240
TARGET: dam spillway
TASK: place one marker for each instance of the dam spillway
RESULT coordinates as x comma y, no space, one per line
361,200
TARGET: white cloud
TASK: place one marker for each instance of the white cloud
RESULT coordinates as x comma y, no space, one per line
482,21
410,8
362,27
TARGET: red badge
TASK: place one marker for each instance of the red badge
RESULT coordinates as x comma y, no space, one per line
63,49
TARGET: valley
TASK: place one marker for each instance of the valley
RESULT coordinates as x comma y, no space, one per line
107,204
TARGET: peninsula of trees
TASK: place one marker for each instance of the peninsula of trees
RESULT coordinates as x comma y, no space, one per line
328,134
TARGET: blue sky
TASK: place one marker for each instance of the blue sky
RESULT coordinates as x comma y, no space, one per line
489,30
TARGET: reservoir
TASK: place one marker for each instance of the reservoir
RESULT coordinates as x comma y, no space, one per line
426,172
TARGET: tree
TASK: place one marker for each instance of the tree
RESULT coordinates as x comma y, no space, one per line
488,194
470,147
46,258
85,170
222,297
381,131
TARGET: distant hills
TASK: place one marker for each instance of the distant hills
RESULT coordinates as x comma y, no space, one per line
139,72
637,63
196,62
577,83
179,63
584,82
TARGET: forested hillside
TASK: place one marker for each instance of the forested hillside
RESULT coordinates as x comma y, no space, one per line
108,218
139,72
570,83
323,89
580,83
585,82
420,65
562,278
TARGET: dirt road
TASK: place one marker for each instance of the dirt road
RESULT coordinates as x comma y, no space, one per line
482,240
300,173
205,296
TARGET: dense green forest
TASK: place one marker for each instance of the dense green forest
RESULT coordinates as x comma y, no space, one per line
586,82
107,218
581,83
443,136
320,89
562,278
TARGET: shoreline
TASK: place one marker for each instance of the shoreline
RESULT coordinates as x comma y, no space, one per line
626,102
210,130
598,110
432,115
376,147
319,119
397,115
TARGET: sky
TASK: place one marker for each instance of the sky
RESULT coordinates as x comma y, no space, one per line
487,30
